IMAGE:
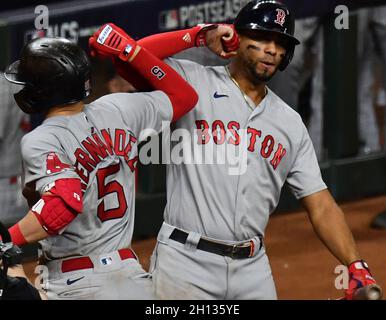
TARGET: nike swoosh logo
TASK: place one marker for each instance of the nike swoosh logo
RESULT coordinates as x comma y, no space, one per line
216,95
70,282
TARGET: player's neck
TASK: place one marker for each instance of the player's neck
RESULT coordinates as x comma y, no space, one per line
255,91
66,110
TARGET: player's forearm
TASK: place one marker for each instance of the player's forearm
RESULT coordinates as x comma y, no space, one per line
131,75
27,230
162,45
112,41
331,227
162,77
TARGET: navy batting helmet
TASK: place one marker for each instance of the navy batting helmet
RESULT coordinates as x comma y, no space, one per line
54,71
270,16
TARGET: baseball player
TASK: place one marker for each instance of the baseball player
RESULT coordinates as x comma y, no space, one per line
80,162
13,125
211,244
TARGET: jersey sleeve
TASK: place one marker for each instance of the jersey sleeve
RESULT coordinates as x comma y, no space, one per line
305,177
44,161
143,112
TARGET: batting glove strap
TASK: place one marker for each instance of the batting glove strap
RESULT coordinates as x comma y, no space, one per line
202,29
231,43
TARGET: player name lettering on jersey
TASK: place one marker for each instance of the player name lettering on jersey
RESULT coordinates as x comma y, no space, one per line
98,147
230,133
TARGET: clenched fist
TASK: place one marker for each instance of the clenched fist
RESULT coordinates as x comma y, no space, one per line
223,40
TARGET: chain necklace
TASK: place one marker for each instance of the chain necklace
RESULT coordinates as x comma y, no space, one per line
247,99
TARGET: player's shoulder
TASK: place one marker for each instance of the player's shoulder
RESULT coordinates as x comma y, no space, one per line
201,71
281,107
38,139
39,133
108,104
182,62
190,64
217,71
103,101
122,99
184,66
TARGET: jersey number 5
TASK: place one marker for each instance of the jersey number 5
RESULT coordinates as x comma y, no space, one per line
111,187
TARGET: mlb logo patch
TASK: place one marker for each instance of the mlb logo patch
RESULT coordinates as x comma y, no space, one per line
106,261
128,49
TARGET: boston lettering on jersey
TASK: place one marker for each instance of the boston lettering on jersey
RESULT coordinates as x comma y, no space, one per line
98,147
219,133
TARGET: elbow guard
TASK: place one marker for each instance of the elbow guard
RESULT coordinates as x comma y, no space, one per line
57,209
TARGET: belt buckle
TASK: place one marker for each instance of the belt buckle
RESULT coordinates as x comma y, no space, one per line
235,248
233,252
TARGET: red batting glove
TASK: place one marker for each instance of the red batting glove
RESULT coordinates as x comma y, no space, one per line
111,41
232,42
360,276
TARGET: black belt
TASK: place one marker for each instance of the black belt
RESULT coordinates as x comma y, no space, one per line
237,251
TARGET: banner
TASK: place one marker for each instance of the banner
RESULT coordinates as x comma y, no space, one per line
77,21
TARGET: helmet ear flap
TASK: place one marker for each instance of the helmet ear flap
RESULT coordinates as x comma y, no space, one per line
287,59
25,104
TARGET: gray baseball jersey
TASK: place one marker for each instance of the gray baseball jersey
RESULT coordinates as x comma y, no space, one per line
99,147
208,198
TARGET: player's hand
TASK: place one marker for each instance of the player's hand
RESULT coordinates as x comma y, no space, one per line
111,41
223,41
359,277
